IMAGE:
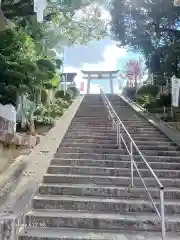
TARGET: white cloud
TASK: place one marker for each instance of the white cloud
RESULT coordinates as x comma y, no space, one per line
111,56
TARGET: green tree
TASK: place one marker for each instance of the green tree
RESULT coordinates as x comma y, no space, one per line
14,8
23,74
152,28
62,29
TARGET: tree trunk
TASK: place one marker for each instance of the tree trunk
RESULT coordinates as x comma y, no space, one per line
31,128
39,97
23,117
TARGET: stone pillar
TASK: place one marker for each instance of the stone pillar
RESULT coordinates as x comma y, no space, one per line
88,84
111,83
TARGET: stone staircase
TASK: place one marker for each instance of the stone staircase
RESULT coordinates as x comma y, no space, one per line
85,193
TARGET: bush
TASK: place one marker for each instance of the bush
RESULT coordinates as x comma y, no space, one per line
130,92
41,110
73,92
59,94
168,119
55,110
43,120
147,101
67,97
63,103
148,90
164,100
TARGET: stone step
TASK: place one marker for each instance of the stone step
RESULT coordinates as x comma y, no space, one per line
105,119
114,137
108,171
114,164
113,151
89,145
169,159
132,132
160,153
110,181
102,120
102,205
114,141
90,140
87,131
91,118
115,146
51,233
57,218
102,191
93,150
158,147
89,125
90,136
109,127
117,157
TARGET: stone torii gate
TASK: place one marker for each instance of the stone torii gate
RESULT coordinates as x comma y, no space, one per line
99,75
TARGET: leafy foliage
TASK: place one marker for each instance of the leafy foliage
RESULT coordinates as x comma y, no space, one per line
59,94
61,28
148,89
73,92
151,27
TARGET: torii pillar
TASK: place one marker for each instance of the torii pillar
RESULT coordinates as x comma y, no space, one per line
111,83
88,84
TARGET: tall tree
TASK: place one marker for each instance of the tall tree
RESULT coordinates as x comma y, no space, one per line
15,8
151,26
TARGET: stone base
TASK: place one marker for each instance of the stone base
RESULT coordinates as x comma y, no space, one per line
20,140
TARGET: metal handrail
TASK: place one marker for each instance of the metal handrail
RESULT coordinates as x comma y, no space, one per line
117,123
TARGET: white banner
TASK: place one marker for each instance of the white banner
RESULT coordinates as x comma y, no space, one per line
39,7
175,91
7,118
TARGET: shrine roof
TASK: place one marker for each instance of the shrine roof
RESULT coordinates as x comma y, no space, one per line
70,73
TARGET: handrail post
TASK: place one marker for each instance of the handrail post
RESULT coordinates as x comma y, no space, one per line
163,225
132,164
14,230
117,128
119,134
114,125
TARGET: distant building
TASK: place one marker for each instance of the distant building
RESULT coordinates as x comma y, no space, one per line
68,80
